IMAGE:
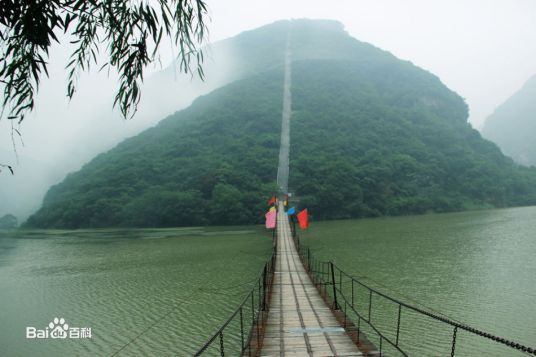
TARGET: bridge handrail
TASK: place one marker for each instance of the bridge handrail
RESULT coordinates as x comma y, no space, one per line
317,269
441,318
261,287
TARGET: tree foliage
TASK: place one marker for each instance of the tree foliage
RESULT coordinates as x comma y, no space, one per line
130,31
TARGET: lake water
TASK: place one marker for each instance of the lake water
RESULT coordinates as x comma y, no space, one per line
120,282
476,267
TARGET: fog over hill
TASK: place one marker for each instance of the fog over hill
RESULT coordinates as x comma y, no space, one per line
482,52
370,135
513,125
87,127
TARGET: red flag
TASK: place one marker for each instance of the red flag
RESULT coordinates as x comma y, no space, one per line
303,219
271,201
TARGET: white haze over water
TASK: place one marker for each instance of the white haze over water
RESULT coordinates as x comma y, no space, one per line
482,49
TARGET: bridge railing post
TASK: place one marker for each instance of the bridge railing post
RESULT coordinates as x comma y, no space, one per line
264,284
242,329
335,304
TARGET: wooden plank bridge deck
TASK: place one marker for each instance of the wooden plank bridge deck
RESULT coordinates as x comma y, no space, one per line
299,322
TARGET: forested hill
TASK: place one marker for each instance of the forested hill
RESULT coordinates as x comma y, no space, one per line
392,140
209,164
513,125
370,135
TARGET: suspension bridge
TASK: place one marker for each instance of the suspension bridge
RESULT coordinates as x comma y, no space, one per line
302,306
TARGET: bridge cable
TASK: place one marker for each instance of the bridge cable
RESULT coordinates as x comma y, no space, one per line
164,316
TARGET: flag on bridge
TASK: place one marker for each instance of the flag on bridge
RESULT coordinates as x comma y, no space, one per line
291,211
303,219
272,201
270,219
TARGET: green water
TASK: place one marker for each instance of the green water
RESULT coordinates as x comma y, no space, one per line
120,282
476,267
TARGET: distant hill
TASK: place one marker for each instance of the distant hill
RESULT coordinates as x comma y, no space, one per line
370,135
513,125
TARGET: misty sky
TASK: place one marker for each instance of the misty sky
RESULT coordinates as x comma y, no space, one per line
482,49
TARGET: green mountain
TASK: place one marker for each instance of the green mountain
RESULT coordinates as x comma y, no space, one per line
370,135
513,125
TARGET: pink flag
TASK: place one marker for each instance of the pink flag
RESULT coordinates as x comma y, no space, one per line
270,219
